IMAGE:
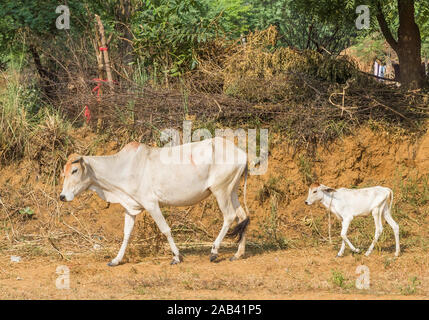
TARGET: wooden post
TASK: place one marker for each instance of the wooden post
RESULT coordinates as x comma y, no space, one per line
105,53
98,54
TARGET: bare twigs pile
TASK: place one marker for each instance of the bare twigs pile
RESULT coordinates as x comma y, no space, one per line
308,96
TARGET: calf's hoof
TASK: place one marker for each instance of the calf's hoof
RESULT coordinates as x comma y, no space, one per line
177,260
357,251
112,263
213,257
233,258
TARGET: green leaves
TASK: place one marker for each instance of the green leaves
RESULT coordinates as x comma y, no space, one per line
167,32
305,24
27,212
27,19
422,19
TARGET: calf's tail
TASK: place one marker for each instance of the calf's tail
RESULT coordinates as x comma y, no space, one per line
391,202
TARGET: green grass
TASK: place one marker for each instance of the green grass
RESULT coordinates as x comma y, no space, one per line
141,290
27,212
270,189
411,287
270,235
15,125
25,122
305,168
339,280
415,191
337,128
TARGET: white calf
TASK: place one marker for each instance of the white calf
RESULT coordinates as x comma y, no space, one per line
349,203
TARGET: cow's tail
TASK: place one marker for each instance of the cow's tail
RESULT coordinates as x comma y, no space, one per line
240,228
246,170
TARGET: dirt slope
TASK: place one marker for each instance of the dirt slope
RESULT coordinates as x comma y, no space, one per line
289,256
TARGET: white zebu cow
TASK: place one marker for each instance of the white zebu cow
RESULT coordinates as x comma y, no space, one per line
349,203
140,177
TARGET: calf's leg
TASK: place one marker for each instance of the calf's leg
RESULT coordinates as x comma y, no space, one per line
343,247
395,227
376,213
344,228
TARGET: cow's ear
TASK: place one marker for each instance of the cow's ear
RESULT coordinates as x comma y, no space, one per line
81,161
329,190
77,160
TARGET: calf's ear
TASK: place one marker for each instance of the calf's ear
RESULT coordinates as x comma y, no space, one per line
315,184
329,190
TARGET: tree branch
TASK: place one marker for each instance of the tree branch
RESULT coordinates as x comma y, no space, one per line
310,30
385,28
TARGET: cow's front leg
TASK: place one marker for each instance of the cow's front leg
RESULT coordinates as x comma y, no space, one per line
156,214
128,227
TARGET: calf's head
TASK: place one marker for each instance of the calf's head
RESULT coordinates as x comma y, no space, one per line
316,193
76,178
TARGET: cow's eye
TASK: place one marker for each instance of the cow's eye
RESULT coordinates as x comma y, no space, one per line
314,191
74,171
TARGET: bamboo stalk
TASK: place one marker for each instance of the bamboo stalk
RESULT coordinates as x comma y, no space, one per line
105,53
98,55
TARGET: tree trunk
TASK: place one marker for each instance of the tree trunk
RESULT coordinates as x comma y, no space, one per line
408,46
49,80
123,15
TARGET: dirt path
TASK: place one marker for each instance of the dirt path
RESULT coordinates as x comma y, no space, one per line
312,273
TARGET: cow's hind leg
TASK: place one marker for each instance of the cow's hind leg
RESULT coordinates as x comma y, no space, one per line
376,213
225,205
128,227
240,230
156,214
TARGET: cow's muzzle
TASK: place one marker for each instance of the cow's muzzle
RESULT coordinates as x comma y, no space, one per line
62,197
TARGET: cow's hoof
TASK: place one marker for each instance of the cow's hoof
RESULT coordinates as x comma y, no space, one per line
233,258
357,250
213,257
338,256
112,264
367,253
